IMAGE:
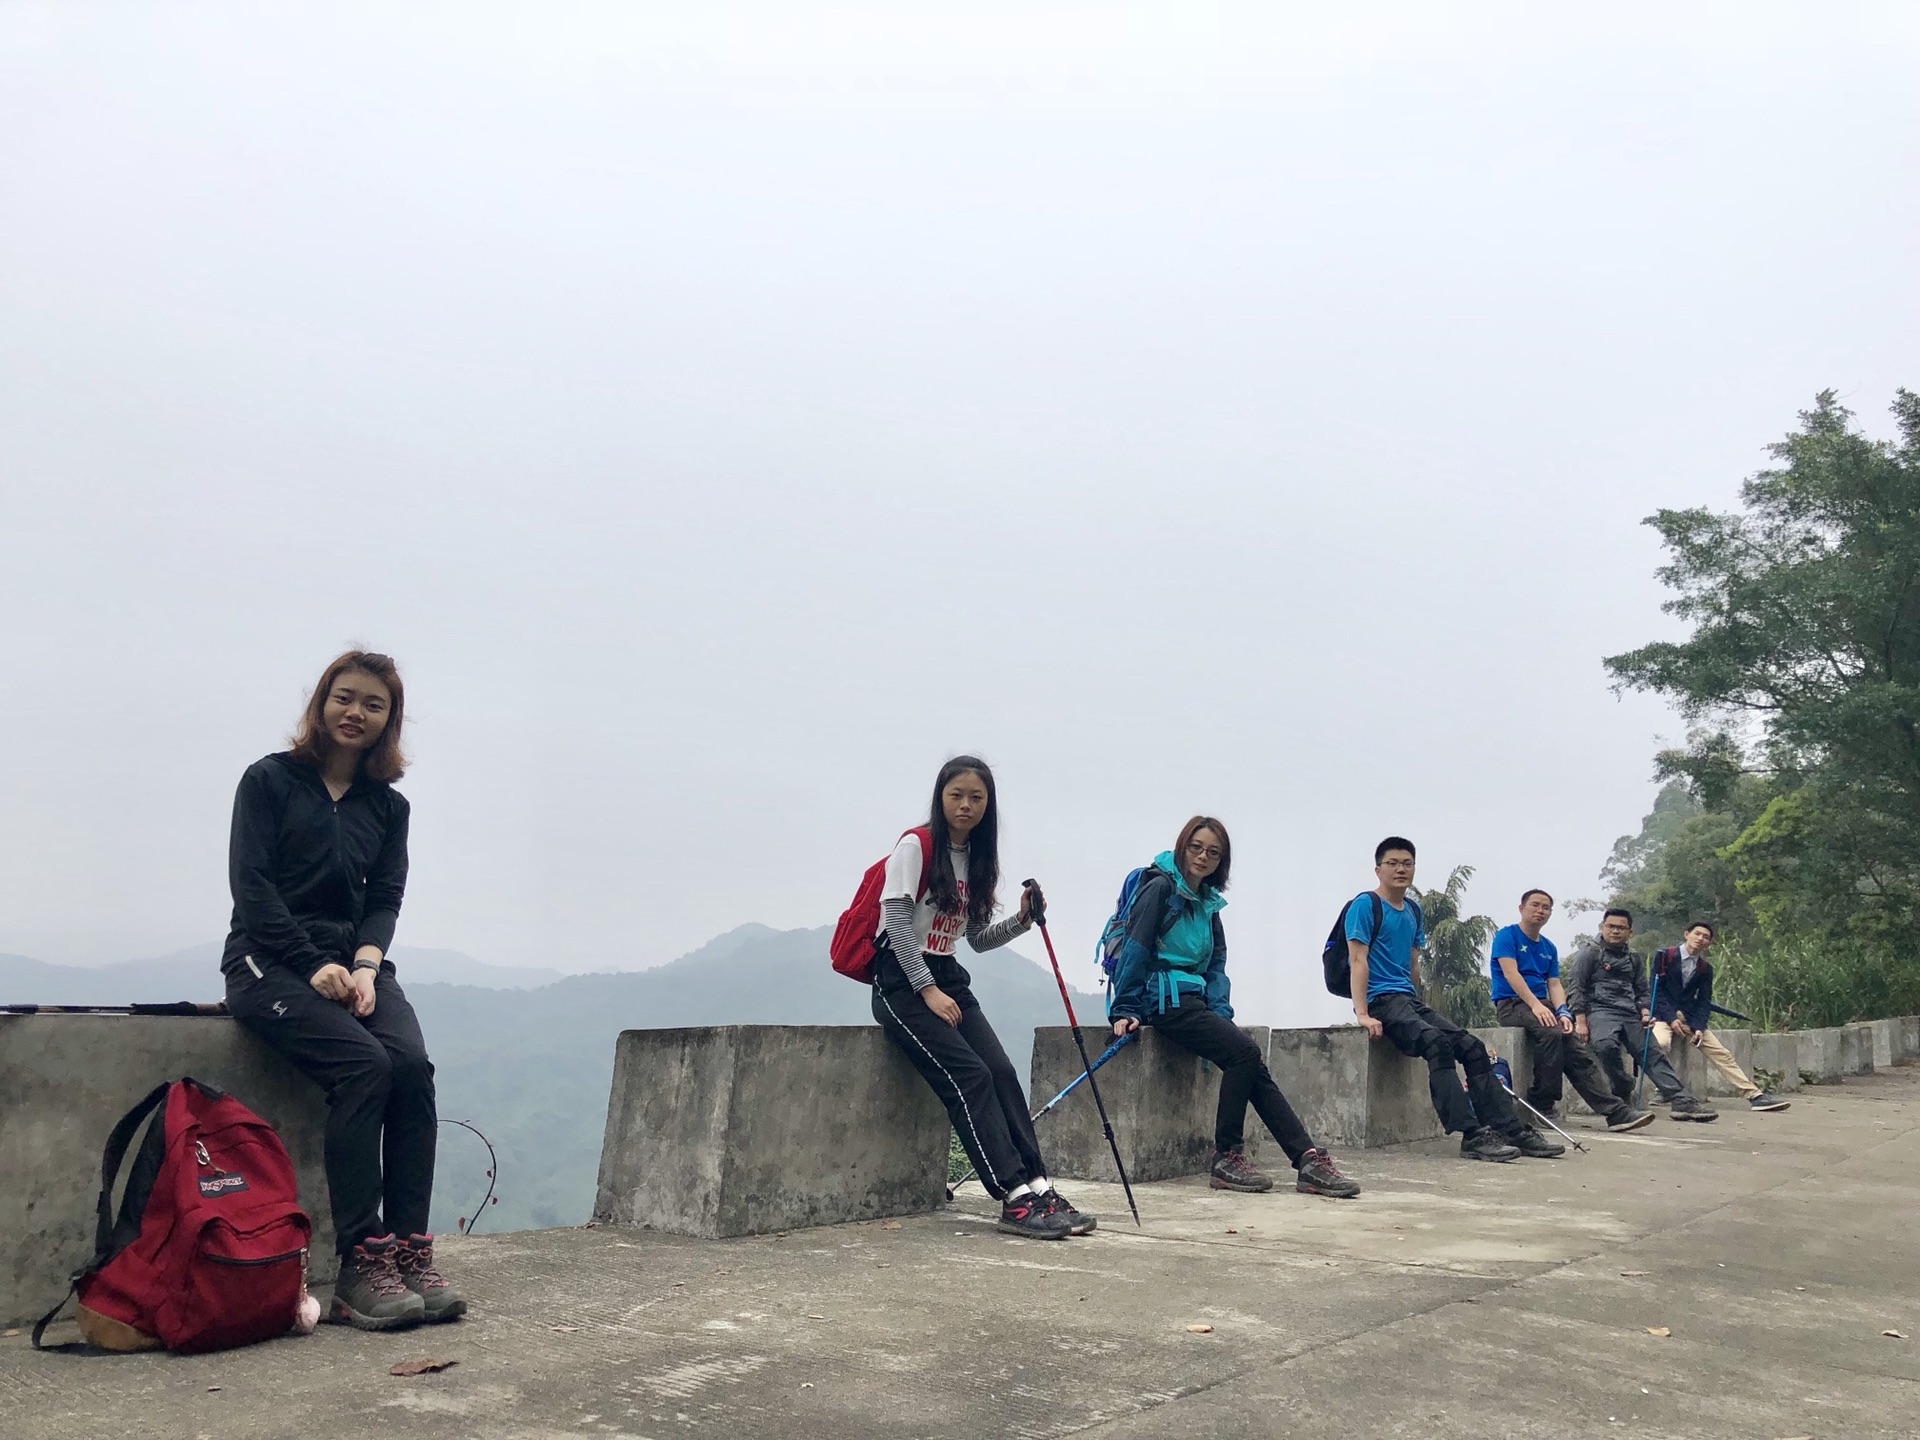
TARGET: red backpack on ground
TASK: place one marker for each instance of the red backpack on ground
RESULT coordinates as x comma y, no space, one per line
210,1247
851,948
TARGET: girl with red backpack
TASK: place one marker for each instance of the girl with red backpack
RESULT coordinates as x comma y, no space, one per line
1172,975
318,864
939,885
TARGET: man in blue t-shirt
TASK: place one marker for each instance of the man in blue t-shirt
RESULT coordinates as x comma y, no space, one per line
1525,975
1386,932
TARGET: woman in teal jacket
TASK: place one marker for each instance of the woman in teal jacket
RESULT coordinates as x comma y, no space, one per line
1172,975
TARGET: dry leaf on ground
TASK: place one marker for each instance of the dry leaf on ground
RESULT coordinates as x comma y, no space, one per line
1661,1330
1199,1329
1894,1334
564,1329
1636,1272
427,1365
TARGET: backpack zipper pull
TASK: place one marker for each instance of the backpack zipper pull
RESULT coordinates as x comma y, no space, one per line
200,1153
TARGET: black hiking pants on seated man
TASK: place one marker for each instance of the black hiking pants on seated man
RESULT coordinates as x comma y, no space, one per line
1556,1053
1618,1034
1426,1034
382,1123
1244,1077
966,1066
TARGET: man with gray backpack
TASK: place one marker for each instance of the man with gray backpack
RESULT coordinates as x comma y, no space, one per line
1385,932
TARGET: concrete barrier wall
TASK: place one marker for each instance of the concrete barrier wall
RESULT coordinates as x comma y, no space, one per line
1886,1041
1699,1074
1161,1099
1829,1055
1909,1044
745,1129
1857,1054
66,1079
1779,1052
1356,1092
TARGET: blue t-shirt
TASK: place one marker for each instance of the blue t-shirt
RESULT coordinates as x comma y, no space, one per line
1390,953
1538,961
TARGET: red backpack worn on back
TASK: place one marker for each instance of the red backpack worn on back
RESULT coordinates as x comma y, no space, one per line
851,948
210,1247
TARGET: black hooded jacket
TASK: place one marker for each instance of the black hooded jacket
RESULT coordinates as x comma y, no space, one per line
313,878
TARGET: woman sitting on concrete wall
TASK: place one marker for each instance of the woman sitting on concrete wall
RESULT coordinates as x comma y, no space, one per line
923,996
318,865
1172,974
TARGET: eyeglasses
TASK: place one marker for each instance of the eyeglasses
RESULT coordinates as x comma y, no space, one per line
1204,852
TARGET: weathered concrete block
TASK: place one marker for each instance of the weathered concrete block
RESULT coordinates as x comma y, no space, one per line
1161,1099
744,1129
66,1079
1886,1041
1828,1055
1858,1055
1779,1052
1351,1091
1909,1044
1701,1075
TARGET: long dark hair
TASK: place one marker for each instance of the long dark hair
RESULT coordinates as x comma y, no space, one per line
1218,880
385,761
983,847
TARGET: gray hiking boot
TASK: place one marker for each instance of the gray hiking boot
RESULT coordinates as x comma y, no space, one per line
415,1264
1766,1101
1230,1171
1630,1119
369,1293
1684,1109
1486,1144
1531,1143
1320,1176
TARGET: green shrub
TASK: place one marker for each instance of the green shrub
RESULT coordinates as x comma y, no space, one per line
1808,984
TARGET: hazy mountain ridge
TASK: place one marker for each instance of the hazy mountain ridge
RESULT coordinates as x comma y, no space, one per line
194,974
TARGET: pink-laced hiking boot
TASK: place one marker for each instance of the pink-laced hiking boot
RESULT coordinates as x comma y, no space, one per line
1231,1170
415,1262
369,1294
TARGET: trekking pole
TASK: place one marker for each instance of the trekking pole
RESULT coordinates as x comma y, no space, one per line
1543,1119
1646,1038
1040,919
1104,1056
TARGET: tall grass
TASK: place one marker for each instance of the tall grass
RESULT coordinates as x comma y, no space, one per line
1808,984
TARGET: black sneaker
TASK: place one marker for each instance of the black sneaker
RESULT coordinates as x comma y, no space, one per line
414,1261
1531,1143
1031,1216
1630,1119
1486,1144
1320,1176
1078,1222
1691,1110
1765,1101
369,1293
1230,1171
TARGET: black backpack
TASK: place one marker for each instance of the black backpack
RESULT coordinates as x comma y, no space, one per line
1335,968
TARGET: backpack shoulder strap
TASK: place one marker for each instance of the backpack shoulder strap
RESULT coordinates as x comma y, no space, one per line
925,837
111,1160
1379,914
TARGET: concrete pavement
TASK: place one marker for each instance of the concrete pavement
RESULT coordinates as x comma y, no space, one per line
1451,1300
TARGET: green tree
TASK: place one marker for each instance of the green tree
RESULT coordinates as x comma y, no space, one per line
1454,971
1803,668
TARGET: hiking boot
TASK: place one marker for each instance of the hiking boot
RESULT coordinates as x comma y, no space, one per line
369,1293
1320,1176
1630,1119
1078,1222
1691,1110
1486,1144
1531,1143
1230,1171
1031,1216
415,1264
1765,1101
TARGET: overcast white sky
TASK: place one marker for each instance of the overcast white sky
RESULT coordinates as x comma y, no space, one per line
725,413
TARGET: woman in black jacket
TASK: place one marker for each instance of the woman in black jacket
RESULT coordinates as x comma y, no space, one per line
318,865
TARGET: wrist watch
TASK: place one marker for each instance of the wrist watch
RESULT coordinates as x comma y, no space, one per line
359,964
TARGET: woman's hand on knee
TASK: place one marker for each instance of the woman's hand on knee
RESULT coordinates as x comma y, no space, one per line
333,982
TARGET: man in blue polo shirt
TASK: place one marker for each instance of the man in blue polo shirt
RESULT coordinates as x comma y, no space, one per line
1385,932
1525,975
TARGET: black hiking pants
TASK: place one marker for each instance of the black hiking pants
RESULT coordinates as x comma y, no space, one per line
1426,1034
1557,1053
966,1067
382,1125
1244,1077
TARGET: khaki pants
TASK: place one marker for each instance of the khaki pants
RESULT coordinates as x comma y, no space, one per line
1710,1047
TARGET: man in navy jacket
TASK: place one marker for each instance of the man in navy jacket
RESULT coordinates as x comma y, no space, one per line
1683,1006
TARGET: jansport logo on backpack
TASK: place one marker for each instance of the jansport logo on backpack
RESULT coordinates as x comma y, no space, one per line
851,948
209,1250
1335,966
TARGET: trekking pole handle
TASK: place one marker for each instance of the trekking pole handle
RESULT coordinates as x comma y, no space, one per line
1039,911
